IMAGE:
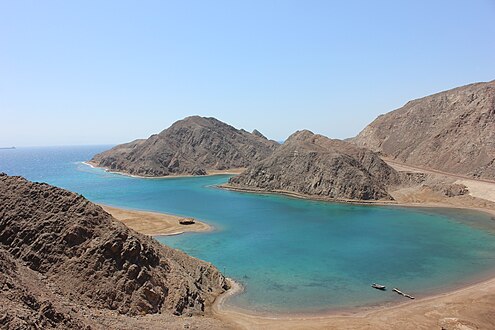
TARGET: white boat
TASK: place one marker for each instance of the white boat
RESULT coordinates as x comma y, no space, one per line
378,286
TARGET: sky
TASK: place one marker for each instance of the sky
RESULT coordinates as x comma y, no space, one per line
107,72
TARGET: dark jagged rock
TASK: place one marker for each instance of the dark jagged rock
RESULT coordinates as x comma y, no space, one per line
314,165
89,258
452,131
193,146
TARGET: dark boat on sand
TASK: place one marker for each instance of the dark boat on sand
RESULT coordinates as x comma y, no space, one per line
187,221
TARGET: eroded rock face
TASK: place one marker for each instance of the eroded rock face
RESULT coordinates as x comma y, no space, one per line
190,146
24,305
92,259
315,165
452,131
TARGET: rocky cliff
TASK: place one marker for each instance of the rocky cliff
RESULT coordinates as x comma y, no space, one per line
193,145
58,249
314,165
452,131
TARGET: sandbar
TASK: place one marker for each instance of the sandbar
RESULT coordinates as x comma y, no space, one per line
153,223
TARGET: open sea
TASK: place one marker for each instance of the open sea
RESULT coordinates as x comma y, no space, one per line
291,255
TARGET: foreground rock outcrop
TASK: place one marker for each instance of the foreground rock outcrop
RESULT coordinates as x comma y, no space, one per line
314,165
193,145
59,249
26,304
452,131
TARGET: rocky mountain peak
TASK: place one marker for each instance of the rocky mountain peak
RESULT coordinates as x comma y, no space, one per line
451,131
193,145
300,135
258,134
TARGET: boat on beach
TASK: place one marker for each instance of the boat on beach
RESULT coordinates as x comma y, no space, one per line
187,221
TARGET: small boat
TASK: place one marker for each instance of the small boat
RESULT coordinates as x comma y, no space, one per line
378,286
403,294
187,221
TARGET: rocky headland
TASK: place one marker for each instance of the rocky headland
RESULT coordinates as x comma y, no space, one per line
64,261
451,131
192,146
314,165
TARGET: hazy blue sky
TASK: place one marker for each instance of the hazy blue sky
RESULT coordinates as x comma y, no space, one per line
95,72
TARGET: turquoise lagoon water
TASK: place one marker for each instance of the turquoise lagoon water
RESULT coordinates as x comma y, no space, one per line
289,254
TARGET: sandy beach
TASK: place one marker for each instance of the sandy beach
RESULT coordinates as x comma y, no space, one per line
467,308
154,224
210,172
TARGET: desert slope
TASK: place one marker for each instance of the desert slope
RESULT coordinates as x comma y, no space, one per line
452,131
193,146
314,165
57,248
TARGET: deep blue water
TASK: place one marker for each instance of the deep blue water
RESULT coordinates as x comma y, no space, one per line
290,254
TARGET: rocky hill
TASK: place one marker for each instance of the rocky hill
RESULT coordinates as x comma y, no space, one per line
57,249
452,131
193,145
314,165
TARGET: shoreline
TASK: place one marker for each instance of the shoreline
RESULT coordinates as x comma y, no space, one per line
463,305
433,204
154,223
230,313
232,171
432,310
303,196
237,288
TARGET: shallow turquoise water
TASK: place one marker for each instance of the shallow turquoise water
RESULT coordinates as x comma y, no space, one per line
290,254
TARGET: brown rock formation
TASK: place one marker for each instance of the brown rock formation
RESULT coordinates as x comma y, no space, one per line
71,247
26,304
452,131
193,145
314,165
